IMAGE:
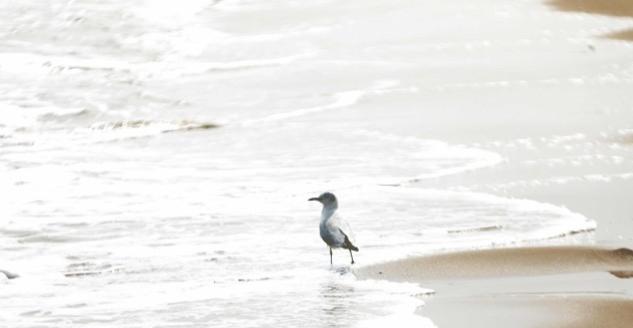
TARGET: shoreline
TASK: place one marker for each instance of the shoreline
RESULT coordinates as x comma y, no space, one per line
523,287
526,311
503,262
614,8
547,286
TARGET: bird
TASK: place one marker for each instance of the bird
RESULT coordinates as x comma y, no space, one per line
335,231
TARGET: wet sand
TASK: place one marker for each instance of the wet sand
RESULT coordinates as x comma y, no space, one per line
620,8
535,286
523,311
568,286
504,262
520,287
525,287
622,35
617,8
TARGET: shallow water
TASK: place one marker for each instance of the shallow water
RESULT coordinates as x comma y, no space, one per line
156,158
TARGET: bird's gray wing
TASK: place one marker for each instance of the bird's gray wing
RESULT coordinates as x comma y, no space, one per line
344,227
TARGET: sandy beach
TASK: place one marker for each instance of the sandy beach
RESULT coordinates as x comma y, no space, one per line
572,286
620,8
520,287
536,286
157,157
504,262
623,35
523,311
617,8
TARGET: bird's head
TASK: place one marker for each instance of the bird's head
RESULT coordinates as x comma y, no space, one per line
327,199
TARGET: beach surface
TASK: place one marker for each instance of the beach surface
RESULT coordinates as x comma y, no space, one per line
520,287
617,8
526,311
586,284
156,158
502,262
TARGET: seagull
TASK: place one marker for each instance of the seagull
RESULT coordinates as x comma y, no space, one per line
335,232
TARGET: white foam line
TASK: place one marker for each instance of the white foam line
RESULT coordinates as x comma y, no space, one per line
564,180
22,63
478,158
405,318
17,117
343,99
572,80
36,65
197,68
169,12
572,221
401,301
270,37
492,160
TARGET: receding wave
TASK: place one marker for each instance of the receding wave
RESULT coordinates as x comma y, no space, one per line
160,125
65,116
87,269
429,220
476,229
131,129
340,100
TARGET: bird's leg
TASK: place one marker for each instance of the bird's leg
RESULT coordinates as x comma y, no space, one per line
330,256
352,256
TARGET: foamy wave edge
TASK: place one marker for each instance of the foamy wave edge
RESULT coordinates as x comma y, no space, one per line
568,222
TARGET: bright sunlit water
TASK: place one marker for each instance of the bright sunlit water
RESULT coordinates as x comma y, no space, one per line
156,157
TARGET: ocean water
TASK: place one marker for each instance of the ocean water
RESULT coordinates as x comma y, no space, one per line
156,157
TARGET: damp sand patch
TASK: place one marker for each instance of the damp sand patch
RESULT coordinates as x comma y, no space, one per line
503,262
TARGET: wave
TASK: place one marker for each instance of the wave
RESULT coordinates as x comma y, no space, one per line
39,65
25,116
562,180
65,116
132,129
162,126
475,229
430,220
341,100
96,133
456,158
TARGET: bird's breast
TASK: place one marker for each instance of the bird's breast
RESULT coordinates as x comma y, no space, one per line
330,236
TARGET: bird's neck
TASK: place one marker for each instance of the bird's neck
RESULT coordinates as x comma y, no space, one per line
328,211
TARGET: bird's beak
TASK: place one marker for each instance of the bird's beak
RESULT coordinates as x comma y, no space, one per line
314,198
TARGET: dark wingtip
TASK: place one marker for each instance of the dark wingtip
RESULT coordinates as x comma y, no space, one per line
348,244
